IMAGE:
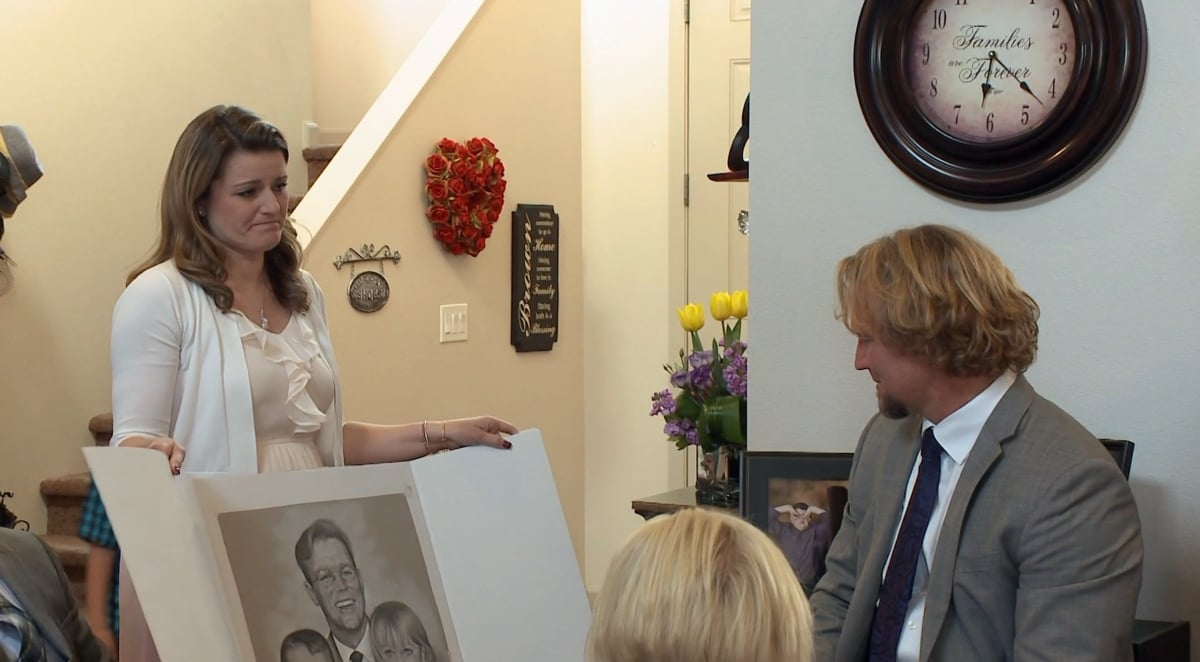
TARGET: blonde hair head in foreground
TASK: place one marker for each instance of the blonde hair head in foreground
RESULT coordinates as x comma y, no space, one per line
699,586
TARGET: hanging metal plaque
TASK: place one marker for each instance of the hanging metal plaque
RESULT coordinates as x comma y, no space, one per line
368,292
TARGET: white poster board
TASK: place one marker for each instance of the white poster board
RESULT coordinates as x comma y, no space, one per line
472,542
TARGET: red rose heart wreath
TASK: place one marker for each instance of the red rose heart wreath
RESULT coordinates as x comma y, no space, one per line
465,185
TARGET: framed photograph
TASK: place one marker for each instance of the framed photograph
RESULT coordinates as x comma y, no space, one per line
1122,453
798,499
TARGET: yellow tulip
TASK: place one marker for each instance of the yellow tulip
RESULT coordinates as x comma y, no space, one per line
740,304
719,305
691,317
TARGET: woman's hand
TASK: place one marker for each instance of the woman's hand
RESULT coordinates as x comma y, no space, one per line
171,448
366,443
478,431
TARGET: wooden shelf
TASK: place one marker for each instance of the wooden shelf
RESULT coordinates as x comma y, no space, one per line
669,502
731,176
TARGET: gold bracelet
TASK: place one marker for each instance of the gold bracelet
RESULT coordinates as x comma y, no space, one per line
425,435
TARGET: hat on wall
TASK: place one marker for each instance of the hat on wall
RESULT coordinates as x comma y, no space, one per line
19,168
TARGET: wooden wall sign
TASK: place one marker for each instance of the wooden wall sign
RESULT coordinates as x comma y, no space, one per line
534,278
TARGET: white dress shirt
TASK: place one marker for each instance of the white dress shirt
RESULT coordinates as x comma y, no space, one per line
956,434
364,647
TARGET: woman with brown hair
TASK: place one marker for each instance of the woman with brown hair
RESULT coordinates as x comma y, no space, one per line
221,354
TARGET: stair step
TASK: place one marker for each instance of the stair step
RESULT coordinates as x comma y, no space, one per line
64,497
72,552
320,152
317,157
101,428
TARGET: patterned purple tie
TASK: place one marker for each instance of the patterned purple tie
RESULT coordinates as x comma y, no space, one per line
898,585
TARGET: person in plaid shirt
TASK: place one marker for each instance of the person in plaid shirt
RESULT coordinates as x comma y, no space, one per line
104,559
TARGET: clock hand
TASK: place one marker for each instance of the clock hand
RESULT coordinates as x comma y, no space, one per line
1023,84
987,80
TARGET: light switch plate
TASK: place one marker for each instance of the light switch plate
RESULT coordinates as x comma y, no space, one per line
453,326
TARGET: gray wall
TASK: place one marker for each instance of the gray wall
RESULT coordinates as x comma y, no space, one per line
1111,259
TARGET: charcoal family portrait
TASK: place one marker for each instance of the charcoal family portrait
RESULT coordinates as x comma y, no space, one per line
317,581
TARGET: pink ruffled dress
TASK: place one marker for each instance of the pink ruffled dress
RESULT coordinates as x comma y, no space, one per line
292,387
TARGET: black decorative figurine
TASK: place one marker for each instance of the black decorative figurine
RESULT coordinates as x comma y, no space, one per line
737,150
9,520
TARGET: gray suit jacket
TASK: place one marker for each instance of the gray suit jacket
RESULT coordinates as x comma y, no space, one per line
34,575
1040,554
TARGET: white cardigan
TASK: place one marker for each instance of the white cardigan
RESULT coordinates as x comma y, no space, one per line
179,370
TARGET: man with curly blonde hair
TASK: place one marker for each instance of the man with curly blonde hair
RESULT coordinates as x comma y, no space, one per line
983,522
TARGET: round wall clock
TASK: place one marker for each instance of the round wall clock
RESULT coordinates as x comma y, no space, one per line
998,100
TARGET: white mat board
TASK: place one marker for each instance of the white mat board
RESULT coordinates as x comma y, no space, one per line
492,572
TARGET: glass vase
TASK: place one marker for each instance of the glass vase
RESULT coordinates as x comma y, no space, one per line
718,475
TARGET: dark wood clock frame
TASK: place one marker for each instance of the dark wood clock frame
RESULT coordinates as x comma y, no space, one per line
1110,67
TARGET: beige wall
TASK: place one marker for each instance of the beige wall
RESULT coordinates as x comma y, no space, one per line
516,82
633,268
631,154
356,48
103,90
106,207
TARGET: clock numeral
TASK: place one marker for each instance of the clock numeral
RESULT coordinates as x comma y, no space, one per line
933,86
1024,114
990,123
939,19
1055,13
957,110
1052,91
1062,53
960,3
925,54
1032,2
